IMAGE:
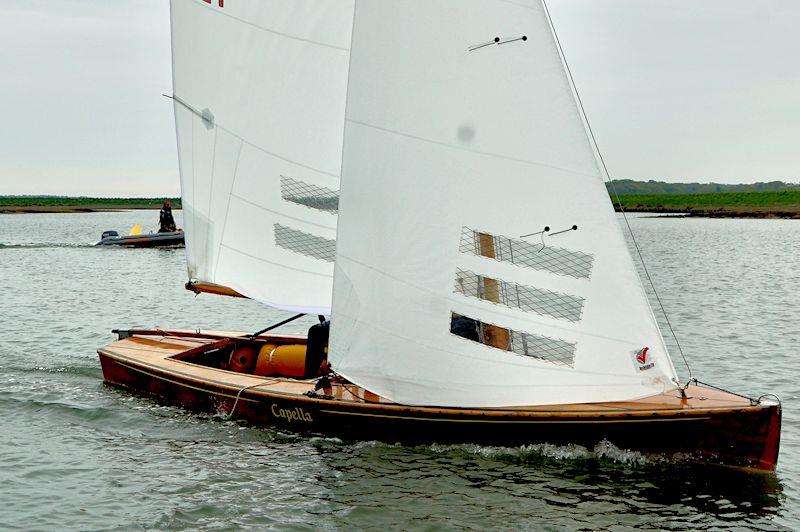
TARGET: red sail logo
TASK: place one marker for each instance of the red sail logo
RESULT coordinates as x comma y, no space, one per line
641,356
220,2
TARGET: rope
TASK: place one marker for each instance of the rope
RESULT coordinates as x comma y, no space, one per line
613,187
770,395
238,395
752,401
354,394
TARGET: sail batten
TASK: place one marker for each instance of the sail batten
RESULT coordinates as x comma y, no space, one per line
455,147
452,150
259,95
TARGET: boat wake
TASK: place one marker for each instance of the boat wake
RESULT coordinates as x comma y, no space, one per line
90,372
44,245
604,451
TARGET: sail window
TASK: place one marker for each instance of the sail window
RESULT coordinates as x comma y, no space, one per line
513,295
308,195
543,348
305,243
527,254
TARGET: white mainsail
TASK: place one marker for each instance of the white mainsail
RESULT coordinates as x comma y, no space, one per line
259,90
463,134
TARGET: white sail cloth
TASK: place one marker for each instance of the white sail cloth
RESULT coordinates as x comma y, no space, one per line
462,134
259,89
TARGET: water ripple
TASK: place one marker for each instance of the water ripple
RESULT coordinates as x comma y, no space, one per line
76,454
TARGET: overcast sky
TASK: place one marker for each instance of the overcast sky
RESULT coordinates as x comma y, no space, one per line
679,90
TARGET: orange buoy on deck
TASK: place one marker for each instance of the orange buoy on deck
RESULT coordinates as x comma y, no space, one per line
243,359
285,360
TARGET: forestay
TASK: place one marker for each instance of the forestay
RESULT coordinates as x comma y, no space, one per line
259,91
463,135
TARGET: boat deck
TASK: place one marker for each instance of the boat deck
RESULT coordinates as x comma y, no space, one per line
708,424
160,353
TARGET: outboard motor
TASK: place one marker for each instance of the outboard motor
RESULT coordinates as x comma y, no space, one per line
317,347
107,234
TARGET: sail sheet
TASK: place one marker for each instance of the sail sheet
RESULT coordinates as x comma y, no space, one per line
463,136
259,92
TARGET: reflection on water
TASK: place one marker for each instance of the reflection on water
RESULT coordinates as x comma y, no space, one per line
75,453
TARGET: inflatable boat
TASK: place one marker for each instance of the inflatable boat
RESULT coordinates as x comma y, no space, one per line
144,240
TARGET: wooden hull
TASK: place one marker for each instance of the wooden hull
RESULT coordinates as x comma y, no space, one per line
710,425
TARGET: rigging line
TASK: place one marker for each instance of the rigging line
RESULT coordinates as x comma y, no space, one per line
275,326
752,401
613,187
354,394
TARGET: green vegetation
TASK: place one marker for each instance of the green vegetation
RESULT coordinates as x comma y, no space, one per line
784,203
629,186
781,203
79,204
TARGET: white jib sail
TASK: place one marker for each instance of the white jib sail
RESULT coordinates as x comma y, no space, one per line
259,89
462,135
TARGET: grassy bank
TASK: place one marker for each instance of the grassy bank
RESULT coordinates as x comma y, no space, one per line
773,204
769,204
32,204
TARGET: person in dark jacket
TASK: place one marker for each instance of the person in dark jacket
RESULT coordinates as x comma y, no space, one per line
165,219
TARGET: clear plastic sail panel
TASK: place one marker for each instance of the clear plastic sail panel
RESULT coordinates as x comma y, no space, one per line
259,89
462,135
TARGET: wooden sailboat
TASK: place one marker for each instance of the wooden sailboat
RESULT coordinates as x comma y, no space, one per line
453,133
179,367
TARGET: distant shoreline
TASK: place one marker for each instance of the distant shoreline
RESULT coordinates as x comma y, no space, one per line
770,204
47,204
65,209
718,213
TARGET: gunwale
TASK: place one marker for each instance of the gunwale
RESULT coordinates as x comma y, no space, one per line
710,425
164,362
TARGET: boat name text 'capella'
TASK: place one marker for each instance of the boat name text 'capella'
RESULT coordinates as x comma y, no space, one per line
291,415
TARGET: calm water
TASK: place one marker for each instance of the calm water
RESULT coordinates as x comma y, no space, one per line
77,454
